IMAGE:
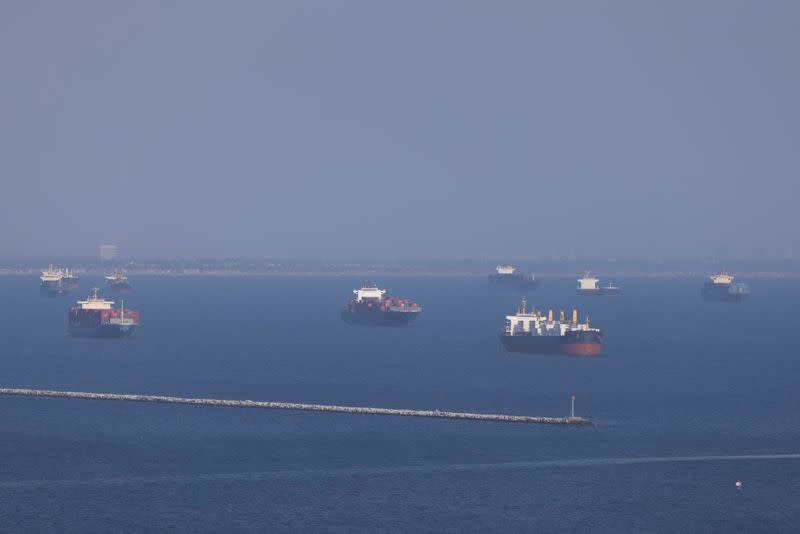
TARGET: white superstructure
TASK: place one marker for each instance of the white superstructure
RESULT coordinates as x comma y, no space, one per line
588,282
721,278
535,324
369,292
117,277
94,302
51,275
505,269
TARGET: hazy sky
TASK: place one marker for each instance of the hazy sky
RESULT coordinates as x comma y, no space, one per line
404,129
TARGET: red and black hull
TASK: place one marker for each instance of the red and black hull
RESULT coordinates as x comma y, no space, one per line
102,323
571,344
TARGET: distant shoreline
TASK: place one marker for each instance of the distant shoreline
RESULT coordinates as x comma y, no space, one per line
608,275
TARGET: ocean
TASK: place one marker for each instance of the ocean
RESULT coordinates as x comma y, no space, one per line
688,398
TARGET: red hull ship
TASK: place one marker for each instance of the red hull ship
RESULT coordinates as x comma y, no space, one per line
96,317
533,333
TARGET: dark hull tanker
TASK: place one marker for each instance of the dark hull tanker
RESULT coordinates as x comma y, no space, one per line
533,333
372,307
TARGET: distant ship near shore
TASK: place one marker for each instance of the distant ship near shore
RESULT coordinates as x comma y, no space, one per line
373,307
720,288
117,281
589,285
534,333
52,284
507,276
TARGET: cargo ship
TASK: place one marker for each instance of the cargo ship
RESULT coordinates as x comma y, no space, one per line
51,282
69,279
506,276
720,288
97,317
117,281
373,307
533,333
589,285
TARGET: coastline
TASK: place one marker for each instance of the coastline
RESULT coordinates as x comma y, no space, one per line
606,274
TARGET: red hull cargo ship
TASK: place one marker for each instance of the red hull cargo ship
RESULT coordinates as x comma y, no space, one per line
371,306
97,317
533,333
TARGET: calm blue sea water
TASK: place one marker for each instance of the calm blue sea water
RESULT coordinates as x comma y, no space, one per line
684,388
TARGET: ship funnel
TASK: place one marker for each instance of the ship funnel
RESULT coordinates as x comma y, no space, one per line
550,314
574,316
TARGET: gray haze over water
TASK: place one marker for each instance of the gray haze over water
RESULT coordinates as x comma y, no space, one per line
405,129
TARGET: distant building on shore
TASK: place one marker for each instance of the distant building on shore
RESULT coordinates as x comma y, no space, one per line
108,253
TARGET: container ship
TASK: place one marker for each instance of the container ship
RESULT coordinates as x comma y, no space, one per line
117,281
720,288
533,333
506,276
589,285
97,317
373,307
52,282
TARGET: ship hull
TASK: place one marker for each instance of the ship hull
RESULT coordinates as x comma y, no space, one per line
107,323
572,344
600,291
109,331
512,281
379,318
722,294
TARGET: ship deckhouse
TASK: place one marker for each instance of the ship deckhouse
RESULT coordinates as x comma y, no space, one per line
117,277
95,302
534,323
369,292
52,275
505,269
588,282
721,278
